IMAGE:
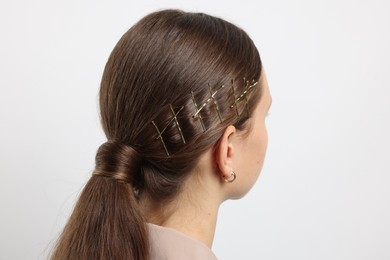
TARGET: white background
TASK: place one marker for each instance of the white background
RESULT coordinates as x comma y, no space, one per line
324,192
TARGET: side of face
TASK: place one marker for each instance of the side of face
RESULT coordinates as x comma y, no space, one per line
249,151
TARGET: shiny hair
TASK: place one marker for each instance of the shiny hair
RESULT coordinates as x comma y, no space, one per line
158,76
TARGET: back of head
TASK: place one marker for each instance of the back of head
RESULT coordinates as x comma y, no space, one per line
172,84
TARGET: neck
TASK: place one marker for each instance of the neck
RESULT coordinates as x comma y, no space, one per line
198,223
194,215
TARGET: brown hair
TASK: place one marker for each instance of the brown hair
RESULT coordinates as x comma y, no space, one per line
162,68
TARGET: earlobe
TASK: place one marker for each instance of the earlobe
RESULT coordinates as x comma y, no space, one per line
224,153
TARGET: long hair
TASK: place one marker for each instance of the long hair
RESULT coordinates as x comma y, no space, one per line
171,86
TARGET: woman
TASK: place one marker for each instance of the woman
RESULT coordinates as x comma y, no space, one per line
183,101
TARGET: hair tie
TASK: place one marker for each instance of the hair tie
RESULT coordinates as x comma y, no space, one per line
116,160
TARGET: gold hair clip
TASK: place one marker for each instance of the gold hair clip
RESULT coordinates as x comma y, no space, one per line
174,118
234,98
211,98
198,109
177,122
215,103
243,95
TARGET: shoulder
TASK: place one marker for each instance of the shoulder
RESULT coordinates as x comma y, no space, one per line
167,243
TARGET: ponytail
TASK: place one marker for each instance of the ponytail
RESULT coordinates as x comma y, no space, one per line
106,222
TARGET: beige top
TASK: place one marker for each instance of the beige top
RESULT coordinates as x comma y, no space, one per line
169,244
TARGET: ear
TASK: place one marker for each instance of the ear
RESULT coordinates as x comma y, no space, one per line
224,151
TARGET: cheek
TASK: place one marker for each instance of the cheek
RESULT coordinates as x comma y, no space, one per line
259,150
260,141
257,155
252,164
264,141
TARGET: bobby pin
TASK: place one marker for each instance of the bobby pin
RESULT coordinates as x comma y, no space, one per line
160,136
215,103
235,100
247,88
196,108
162,131
246,105
243,95
208,100
177,122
